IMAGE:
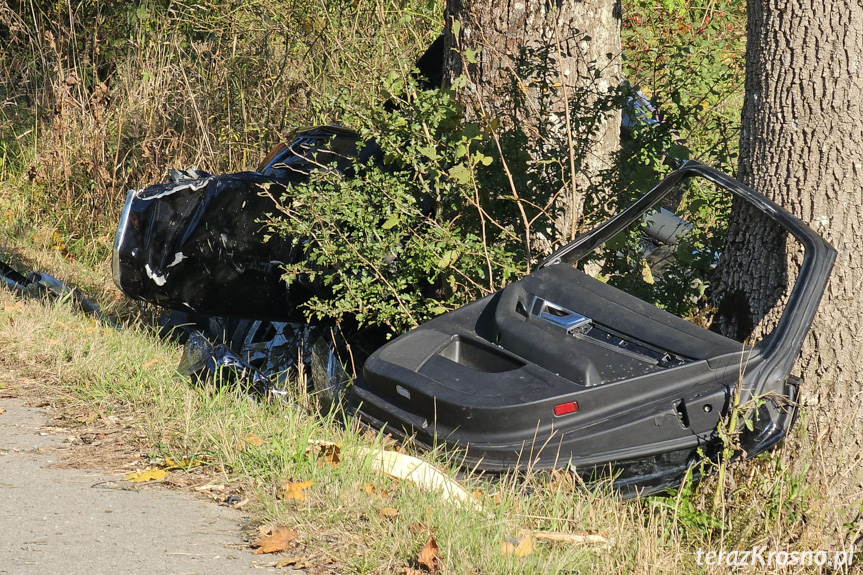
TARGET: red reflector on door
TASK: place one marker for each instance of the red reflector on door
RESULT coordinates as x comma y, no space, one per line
565,408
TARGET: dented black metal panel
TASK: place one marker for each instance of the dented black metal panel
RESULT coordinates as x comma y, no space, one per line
200,244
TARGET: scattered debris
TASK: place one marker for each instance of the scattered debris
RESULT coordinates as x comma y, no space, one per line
235,501
38,284
204,361
417,471
556,369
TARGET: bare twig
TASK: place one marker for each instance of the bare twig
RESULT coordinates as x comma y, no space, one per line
575,206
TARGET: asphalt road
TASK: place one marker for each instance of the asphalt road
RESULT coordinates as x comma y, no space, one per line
67,521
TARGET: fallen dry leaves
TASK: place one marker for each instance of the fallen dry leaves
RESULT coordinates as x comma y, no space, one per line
149,364
298,562
172,464
418,527
519,548
274,539
386,512
88,417
253,440
2,410
373,491
147,475
17,307
428,556
326,452
296,490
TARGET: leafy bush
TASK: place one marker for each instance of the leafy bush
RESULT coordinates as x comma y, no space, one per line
413,232
448,212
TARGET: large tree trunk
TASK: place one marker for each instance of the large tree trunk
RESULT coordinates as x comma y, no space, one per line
802,145
503,79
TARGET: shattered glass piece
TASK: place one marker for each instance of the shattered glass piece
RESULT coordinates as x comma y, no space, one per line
330,380
203,361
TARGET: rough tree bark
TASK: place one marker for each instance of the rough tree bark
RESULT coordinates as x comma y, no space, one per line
582,36
802,145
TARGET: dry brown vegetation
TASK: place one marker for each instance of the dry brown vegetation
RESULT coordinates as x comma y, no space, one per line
102,97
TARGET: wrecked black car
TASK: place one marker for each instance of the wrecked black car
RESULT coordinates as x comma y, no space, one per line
558,369
177,237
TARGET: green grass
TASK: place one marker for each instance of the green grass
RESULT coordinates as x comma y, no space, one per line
84,365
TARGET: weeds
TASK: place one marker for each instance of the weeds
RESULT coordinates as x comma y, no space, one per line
104,97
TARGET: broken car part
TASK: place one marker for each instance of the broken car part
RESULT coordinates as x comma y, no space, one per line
204,361
203,228
41,284
562,370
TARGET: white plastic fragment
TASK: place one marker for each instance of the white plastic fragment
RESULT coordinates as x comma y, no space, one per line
158,279
419,472
178,257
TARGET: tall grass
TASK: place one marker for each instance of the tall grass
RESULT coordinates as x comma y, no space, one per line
101,97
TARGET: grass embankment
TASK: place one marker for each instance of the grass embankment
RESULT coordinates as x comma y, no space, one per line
85,366
366,522
89,112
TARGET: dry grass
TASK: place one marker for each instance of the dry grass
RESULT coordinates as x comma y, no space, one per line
97,99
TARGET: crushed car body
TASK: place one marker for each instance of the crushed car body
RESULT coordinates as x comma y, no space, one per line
176,235
558,369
